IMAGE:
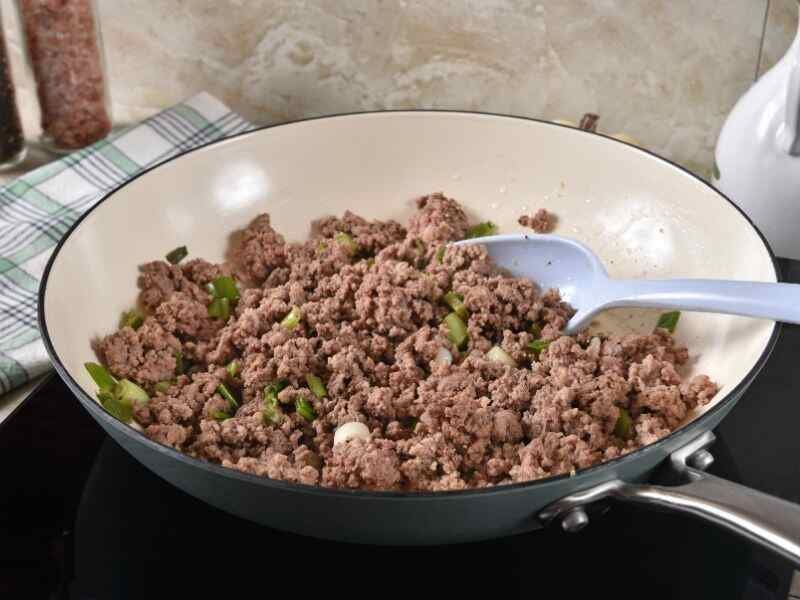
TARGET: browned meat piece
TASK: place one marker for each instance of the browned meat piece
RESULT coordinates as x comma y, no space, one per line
146,355
542,221
439,219
258,250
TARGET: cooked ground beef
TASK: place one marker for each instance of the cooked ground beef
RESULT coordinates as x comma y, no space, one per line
371,300
542,221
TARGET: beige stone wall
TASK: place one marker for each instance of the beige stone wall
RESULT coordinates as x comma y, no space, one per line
663,71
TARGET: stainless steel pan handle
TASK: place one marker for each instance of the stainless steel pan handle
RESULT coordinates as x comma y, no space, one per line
764,519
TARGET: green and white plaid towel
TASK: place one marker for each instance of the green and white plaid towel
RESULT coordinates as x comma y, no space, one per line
37,209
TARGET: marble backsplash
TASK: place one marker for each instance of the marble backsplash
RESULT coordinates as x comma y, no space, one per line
665,72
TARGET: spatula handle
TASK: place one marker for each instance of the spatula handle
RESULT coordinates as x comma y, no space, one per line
776,301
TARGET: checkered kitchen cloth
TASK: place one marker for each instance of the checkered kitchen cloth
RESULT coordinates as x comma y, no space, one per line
37,209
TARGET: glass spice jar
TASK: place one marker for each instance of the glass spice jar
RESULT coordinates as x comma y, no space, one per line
12,142
65,53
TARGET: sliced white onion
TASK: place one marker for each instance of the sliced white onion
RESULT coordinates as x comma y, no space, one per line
350,431
497,354
443,355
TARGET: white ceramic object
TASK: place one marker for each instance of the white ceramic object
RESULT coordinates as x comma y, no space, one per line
758,154
643,217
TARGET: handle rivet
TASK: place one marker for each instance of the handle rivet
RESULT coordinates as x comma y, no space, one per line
575,520
701,460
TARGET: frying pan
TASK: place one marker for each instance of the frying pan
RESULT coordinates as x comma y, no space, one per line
644,216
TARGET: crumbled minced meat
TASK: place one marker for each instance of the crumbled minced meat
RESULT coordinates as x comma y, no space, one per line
371,329
542,221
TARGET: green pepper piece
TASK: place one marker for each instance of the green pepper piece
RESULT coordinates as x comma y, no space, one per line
456,330
623,428
536,331
304,409
669,320
316,386
456,302
482,230
177,255
104,380
162,387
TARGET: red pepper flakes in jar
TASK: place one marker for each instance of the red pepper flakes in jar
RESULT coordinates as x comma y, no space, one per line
12,142
65,52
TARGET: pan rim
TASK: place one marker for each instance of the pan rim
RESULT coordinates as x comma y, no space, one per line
101,415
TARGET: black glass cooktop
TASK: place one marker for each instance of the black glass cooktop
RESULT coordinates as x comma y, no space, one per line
81,519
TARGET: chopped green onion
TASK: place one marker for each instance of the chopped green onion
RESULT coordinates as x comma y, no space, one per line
132,318
271,413
119,408
162,387
440,255
497,354
104,380
482,230
536,331
223,391
456,330
177,255
225,287
370,262
316,386
220,308
456,302
420,246
127,390
669,320
536,346
220,415
233,368
273,389
304,409
623,428
180,367
292,320
347,241
322,246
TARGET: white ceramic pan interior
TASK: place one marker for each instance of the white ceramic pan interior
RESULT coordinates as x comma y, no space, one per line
643,216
